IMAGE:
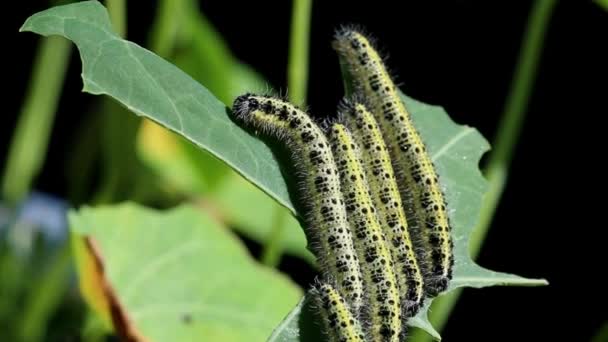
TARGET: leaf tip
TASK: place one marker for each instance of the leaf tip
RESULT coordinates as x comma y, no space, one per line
540,282
26,27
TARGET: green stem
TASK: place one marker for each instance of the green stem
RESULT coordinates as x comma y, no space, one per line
118,16
271,255
44,296
297,76
169,18
29,145
509,131
521,87
297,79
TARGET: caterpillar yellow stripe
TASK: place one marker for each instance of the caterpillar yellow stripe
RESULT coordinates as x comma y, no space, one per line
340,323
326,214
382,307
387,200
409,156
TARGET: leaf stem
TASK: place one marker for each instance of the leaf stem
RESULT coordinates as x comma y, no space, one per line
297,76
509,131
30,141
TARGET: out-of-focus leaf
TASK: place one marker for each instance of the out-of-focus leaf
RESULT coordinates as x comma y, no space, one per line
251,211
175,276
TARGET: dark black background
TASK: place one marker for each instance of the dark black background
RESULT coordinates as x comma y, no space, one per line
460,55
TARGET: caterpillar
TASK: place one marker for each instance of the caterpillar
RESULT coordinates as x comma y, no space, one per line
325,215
420,184
383,307
387,201
340,323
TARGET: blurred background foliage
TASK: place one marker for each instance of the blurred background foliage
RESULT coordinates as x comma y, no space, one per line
64,149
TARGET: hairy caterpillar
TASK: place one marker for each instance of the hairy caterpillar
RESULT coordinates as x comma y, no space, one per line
326,214
340,323
383,307
408,154
387,200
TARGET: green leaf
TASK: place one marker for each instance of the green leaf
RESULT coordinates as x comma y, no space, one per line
152,87
179,276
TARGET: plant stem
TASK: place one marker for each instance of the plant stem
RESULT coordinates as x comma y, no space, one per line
297,76
165,29
118,16
509,131
297,79
45,295
271,255
29,144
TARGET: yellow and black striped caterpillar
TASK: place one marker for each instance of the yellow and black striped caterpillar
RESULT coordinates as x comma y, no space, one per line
340,323
419,182
326,214
382,306
387,200
374,205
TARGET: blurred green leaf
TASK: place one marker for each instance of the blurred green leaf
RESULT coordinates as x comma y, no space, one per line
179,276
152,87
251,211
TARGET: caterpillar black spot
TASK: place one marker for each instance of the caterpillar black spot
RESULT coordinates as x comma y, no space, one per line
383,306
387,200
326,214
410,159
